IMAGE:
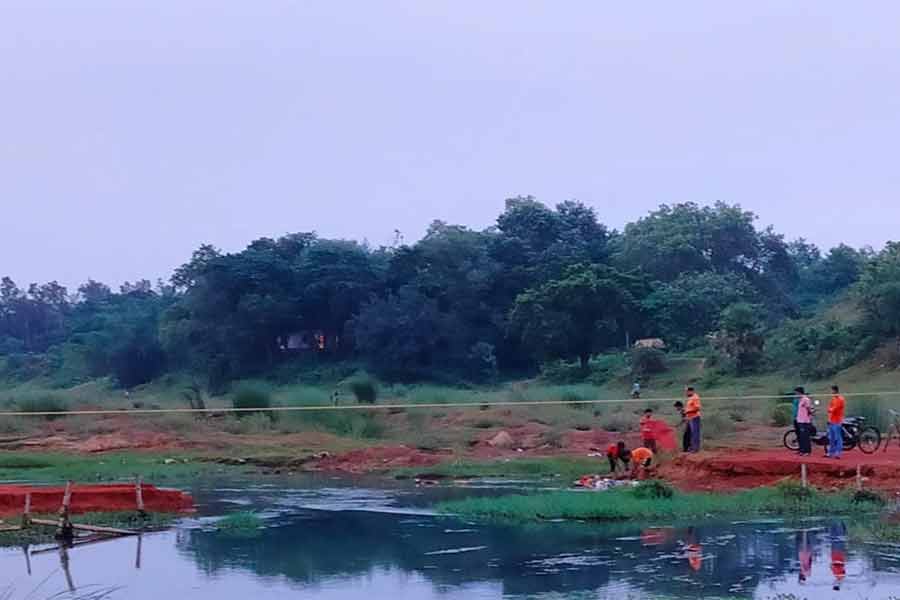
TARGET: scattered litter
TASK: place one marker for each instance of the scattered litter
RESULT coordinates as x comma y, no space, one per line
596,482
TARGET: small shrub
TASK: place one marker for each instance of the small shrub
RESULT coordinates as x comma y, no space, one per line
653,489
793,490
647,361
364,387
247,424
716,426
617,423
563,372
868,497
42,403
249,397
782,415
242,525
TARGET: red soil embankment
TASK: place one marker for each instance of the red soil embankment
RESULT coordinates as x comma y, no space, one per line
378,458
735,469
92,498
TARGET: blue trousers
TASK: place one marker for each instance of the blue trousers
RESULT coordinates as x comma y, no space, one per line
694,425
835,440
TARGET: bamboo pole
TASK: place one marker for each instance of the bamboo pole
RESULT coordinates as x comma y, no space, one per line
137,560
64,563
859,481
139,494
88,528
64,526
26,515
27,559
803,474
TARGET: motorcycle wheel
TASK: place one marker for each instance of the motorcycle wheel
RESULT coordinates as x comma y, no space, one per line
790,440
869,440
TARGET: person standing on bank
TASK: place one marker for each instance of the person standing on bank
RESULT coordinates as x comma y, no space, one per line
692,412
835,423
804,422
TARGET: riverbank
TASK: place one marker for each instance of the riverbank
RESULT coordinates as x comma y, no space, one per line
657,501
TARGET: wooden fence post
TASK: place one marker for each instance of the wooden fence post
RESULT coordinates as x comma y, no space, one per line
26,515
803,474
64,529
859,483
139,493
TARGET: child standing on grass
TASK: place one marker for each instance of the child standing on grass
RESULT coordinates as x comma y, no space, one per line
648,431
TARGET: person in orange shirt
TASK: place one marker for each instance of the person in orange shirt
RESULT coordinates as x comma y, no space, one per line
648,430
838,535
641,462
836,412
692,412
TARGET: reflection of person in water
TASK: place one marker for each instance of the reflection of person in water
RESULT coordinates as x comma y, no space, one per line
838,535
694,550
804,555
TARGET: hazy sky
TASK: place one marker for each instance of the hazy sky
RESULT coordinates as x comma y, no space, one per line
131,132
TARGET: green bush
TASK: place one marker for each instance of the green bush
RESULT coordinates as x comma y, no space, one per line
562,372
653,488
240,525
782,415
868,497
647,361
717,425
793,490
252,396
364,387
42,403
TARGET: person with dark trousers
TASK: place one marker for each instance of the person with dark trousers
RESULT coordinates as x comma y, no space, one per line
693,413
804,422
686,436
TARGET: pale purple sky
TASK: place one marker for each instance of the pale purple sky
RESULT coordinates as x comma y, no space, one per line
131,132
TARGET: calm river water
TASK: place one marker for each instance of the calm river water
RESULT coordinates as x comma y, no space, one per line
339,539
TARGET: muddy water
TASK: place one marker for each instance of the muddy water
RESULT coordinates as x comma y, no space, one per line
336,539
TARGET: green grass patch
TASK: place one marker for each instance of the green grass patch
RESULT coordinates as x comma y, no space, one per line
567,469
119,520
241,524
58,468
639,504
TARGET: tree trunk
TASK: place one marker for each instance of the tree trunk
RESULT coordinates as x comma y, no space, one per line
584,359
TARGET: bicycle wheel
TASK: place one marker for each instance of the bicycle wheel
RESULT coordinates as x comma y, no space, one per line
790,440
869,440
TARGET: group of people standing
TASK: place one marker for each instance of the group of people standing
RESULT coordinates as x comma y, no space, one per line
804,410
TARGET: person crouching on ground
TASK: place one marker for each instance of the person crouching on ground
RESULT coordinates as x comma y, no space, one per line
641,462
616,454
686,436
648,431
835,423
803,420
692,412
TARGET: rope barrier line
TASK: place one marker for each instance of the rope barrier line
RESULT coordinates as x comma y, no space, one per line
339,407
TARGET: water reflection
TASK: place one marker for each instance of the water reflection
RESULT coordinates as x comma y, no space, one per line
395,552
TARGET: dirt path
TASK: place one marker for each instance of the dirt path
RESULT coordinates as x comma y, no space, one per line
733,469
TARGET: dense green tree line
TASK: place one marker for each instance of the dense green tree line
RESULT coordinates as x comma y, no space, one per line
542,284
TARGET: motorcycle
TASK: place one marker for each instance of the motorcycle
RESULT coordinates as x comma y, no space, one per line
853,430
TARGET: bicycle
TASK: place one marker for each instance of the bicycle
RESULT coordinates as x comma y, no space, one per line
854,431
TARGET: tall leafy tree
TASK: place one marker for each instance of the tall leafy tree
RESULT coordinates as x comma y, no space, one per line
577,315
